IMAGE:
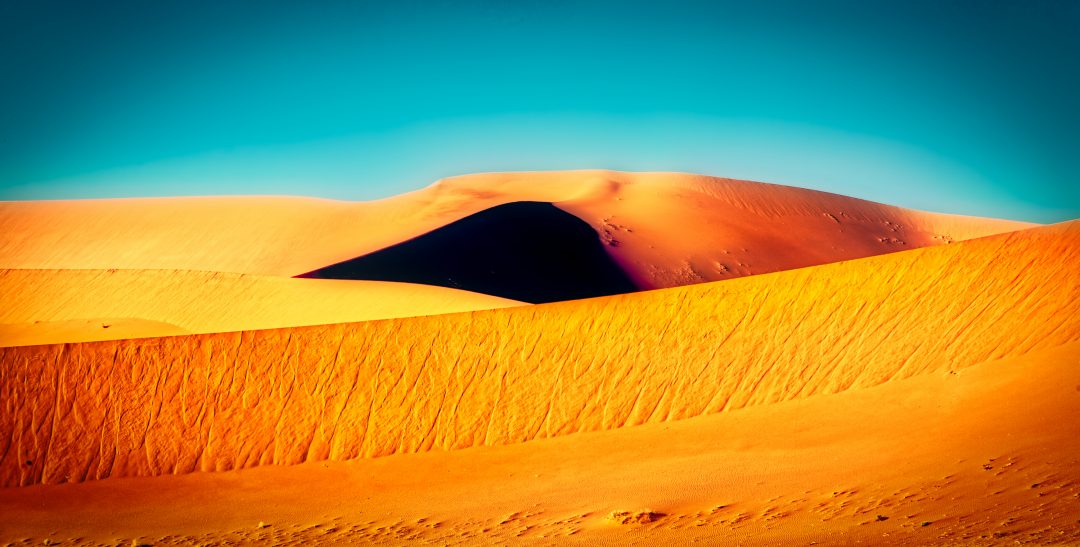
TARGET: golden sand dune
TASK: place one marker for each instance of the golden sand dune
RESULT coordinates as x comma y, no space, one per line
937,459
53,306
908,398
665,229
216,402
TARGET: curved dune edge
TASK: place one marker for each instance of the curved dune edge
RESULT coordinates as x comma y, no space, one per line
57,306
665,229
819,470
225,401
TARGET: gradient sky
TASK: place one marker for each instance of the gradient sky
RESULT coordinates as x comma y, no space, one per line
958,106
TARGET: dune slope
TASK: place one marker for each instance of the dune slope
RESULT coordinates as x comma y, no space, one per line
215,402
929,460
54,306
664,229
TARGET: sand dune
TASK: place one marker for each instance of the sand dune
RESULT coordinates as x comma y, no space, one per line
664,229
938,456
849,395
54,306
218,401
669,229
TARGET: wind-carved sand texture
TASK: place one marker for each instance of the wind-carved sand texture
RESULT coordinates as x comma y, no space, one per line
903,381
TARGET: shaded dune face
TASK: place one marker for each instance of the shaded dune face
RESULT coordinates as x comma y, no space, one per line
528,251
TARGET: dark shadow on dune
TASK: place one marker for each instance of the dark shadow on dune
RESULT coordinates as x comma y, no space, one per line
528,251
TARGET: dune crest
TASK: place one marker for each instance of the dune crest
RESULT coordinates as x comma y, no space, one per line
216,402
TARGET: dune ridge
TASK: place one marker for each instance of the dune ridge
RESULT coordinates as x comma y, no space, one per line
216,402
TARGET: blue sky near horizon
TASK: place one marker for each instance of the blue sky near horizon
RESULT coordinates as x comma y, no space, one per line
960,106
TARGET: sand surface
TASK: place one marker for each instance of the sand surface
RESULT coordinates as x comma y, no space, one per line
939,456
856,396
54,306
222,401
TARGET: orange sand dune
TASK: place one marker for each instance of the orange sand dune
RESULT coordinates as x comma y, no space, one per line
946,458
665,229
216,402
54,306
671,229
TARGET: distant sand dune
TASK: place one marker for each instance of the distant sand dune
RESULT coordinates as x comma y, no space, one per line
581,234
215,402
664,229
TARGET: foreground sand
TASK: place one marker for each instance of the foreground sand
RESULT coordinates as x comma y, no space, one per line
949,458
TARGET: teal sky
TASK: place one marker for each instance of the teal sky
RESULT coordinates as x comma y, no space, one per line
957,106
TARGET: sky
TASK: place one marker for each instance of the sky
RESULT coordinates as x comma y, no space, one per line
957,106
